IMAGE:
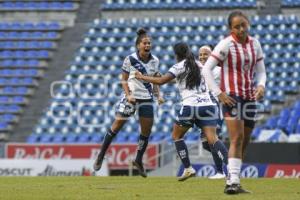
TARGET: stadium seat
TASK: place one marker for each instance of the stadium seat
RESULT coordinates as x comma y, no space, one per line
33,138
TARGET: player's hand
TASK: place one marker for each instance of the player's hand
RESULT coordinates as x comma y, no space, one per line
160,100
131,99
226,100
157,74
138,75
259,92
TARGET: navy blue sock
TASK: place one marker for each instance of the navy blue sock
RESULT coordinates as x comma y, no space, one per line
218,162
221,151
183,153
143,143
109,136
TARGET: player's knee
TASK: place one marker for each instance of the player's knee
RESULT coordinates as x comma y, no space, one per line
176,136
146,133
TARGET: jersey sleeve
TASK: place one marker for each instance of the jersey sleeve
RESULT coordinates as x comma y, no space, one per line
176,70
220,52
261,75
217,74
126,65
209,77
260,54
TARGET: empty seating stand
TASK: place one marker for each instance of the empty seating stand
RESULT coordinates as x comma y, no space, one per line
290,3
176,4
83,107
25,49
111,5
34,5
288,122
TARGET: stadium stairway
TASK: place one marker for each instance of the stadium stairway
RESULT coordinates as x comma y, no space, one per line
269,7
69,42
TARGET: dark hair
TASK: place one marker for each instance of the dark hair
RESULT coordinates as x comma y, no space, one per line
192,73
234,14
141,33
211,46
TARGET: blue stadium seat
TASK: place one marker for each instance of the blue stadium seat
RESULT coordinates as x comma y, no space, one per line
71,138
121,138
7,118
271,123
84,138
96,138
46,138
58,138
33,138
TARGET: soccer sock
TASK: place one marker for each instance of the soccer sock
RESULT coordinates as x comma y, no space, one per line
142,145
109,136
221,151
183,153
234,169
218,162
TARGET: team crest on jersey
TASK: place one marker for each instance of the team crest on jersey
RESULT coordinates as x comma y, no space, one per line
222,53
152,62
138,66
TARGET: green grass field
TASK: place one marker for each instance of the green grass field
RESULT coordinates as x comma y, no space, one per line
152,188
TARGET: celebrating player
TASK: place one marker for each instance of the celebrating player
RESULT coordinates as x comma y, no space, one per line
137,96
197,106
240,57
204,53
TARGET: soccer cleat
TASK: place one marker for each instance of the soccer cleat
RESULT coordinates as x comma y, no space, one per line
231,189
140,168
218,175
98,163
226,188
242,190
187,173
235,189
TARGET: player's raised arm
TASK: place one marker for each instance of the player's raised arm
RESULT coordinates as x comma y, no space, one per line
155,80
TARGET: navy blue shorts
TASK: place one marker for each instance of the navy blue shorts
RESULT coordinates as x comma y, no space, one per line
244,110
144,108
219,123
200,116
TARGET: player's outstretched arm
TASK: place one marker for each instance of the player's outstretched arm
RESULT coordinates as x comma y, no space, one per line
155,80
261,80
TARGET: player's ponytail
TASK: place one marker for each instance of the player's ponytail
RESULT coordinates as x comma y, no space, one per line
192,71
141,33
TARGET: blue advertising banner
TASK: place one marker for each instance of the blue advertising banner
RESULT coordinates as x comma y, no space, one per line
248,170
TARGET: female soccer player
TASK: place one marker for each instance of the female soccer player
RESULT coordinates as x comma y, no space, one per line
137,96
204,53
240,57
197,106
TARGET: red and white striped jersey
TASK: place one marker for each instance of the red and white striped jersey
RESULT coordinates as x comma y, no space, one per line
238,62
